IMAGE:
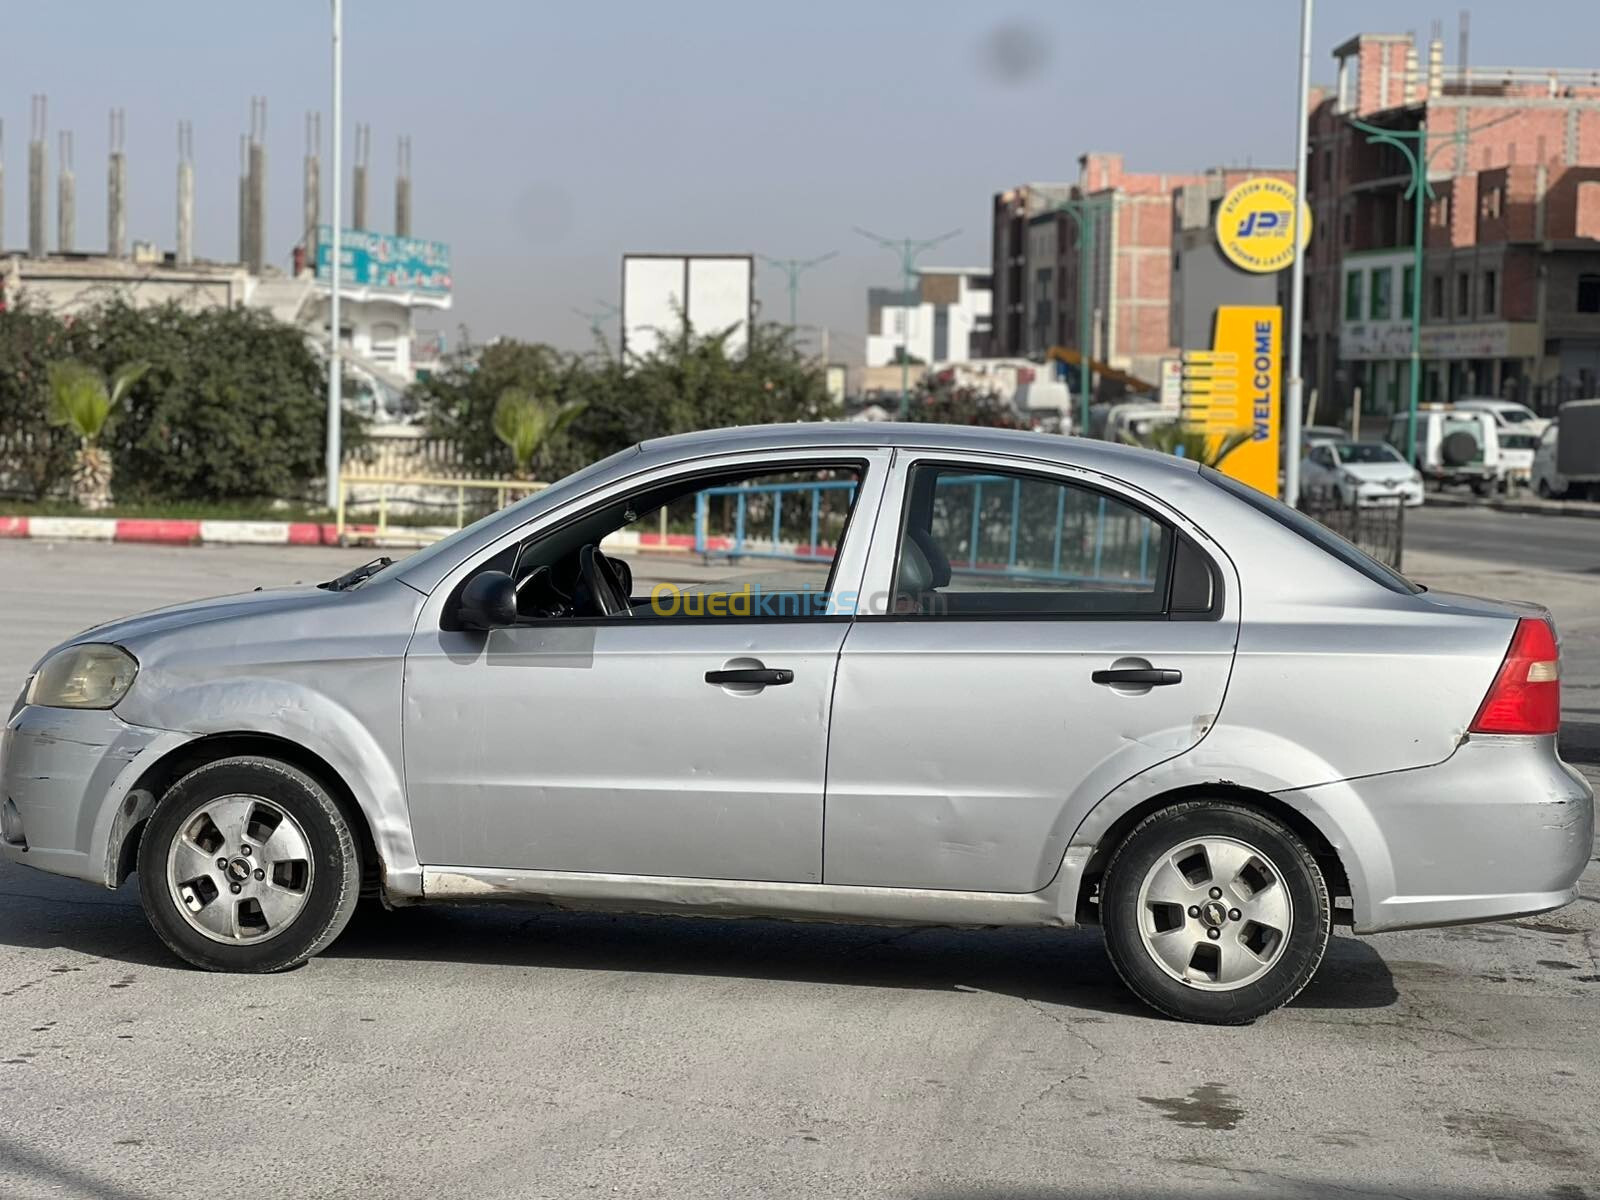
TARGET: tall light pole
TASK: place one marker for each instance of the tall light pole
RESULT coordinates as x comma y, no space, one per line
1082,214
598,317
793,268
908,250
1297,272
335,351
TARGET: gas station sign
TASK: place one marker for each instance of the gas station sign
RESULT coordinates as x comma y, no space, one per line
1237,385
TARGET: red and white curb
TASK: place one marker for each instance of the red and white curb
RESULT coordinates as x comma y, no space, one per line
164,531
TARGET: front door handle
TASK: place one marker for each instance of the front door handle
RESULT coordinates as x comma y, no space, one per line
764,676
1140,676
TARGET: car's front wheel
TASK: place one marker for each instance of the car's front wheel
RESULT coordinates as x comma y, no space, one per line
1214,912
247,864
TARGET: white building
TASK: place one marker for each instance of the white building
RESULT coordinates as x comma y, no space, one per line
946,318
387,280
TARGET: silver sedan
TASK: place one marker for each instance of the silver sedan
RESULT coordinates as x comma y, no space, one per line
903,675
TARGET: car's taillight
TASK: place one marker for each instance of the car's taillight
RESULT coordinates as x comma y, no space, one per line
1526,694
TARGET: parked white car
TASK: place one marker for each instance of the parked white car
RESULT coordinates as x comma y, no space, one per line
1361,473
1507,414
1453,446
1573,471
1517,448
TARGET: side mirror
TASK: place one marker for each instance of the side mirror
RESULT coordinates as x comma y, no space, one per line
489,601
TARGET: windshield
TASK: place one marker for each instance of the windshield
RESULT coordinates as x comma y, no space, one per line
1518,441
1516,415
554,494
1367,452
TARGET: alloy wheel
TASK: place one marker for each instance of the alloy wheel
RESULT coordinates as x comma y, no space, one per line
239,869
1215,913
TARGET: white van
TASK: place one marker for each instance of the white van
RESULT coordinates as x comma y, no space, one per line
1454,446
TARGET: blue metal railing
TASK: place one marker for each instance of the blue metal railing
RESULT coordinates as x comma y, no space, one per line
772,545
742,546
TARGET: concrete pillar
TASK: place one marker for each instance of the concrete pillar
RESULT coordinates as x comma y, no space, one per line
116,190
38,164
256,252
183,252
66,199
358,191
244,198
402,189
2,187
312,195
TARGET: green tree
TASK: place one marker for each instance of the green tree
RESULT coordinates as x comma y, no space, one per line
81,403
525,422
458,403
35,456
1177,438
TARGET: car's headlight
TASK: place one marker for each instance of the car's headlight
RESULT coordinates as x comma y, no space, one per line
1352,479
92,675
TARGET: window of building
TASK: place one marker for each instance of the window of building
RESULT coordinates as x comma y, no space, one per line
385,342
1436,297
1589,293
1349,227
1491,293
1352,296
1463,294
1382,282
1408,287
1327,165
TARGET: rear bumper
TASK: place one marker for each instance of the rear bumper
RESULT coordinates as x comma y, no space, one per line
1501,829
69,774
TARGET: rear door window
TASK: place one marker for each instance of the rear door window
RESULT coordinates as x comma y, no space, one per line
976,542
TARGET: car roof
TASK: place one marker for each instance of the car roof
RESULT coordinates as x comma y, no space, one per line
1086,452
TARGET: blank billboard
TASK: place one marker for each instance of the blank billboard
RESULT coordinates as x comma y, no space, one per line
713,291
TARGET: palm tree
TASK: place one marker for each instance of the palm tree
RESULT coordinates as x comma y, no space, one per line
80,402
1179,439
525,422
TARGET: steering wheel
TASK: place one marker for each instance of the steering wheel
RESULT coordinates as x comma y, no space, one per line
605,582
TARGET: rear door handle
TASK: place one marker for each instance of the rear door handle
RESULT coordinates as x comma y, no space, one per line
765,676
1143,676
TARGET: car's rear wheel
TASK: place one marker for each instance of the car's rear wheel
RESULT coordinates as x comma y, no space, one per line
248,864
1214,912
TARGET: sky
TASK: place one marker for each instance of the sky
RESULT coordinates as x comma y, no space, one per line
551,138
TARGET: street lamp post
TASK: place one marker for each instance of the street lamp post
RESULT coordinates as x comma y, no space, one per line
1297,270
1413,144
908,251
335,356
1081,212
792,269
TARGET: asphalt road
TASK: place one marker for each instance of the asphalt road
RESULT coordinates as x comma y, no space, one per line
1514,539
497,1053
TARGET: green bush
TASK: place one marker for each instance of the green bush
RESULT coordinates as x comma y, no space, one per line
34,455
233,404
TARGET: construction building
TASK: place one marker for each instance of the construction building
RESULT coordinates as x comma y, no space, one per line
385,281
1510,287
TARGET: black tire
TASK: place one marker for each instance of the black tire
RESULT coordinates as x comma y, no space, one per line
331,893
1458,449
1157,836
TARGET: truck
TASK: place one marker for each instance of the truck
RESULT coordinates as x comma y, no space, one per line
1566,462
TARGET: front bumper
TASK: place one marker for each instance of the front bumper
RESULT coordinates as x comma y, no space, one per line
70,776
1503,828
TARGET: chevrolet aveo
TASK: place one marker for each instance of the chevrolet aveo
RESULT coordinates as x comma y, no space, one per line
903,675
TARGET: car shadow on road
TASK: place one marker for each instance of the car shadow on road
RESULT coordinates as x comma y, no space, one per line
1066,968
